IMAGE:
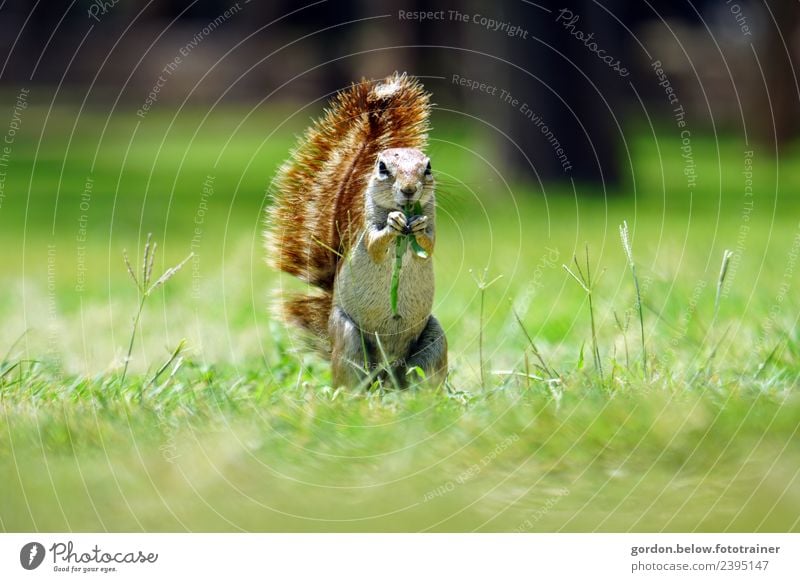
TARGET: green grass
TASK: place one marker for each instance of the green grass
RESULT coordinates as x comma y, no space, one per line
242,430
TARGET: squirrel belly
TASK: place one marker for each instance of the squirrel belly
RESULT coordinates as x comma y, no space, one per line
362,290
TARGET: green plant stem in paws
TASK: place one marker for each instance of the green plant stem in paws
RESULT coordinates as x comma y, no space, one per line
400,250
403,242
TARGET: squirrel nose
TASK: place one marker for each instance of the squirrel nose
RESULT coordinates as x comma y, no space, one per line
409,190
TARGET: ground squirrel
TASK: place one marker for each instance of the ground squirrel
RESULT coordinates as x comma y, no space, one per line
334,223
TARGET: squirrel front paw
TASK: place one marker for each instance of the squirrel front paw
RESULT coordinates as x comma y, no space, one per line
397,222
418,224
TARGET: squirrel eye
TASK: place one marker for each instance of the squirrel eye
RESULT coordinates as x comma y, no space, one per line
383,170
428,169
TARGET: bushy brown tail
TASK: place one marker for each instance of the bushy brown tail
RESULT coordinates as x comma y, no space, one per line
318,210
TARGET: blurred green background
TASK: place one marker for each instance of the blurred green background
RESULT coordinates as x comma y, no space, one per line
84,187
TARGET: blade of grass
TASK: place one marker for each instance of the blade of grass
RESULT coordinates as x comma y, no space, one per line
585,282
482,286
145,291
628,248
542,364
723,271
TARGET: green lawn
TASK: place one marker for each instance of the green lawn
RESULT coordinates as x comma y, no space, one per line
242,430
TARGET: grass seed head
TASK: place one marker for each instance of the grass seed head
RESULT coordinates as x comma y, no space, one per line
626,241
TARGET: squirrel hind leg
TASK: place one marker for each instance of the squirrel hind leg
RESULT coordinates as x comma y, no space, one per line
351,364
429,352
356,360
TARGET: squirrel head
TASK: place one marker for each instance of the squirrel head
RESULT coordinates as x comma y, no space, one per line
402,176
